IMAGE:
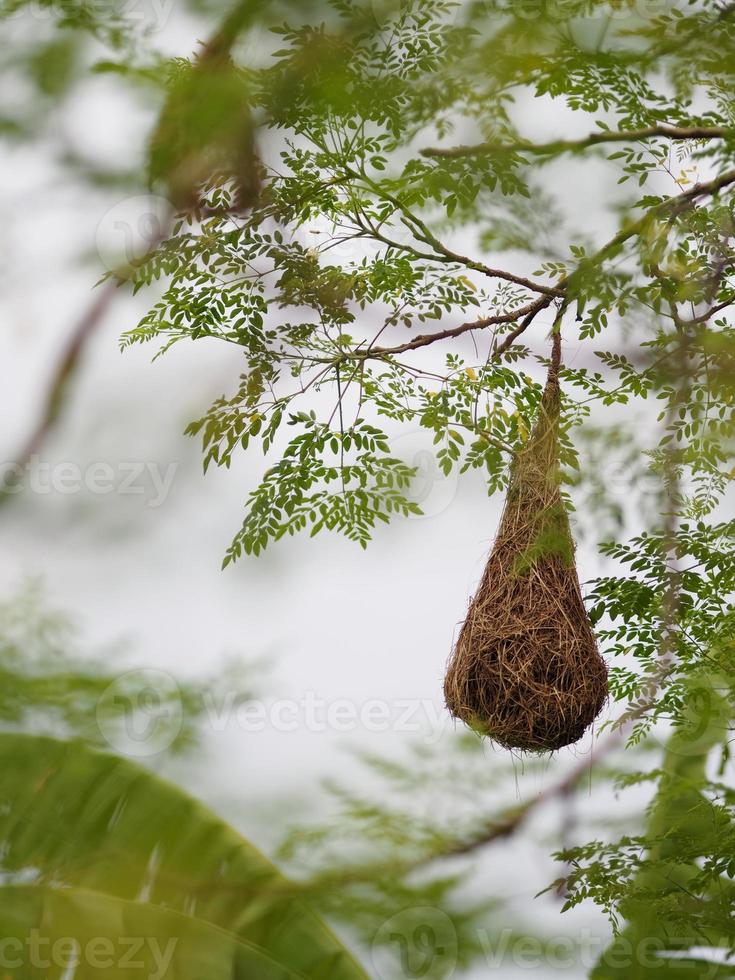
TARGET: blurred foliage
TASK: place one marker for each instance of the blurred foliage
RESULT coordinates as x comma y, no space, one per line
48,687
674,884
374,862
104,863
97,851
409,841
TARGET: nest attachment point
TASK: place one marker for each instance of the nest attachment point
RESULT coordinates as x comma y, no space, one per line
525,670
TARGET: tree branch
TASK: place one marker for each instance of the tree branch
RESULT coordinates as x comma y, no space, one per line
508,822
423,233
423,340
508,341
674,133
530,311
58,388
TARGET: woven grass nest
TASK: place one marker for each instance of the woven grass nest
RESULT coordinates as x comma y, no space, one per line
526,670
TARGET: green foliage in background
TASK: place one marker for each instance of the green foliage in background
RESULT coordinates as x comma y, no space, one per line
95,848
48,685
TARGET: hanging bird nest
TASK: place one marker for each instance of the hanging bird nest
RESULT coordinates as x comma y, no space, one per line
526,670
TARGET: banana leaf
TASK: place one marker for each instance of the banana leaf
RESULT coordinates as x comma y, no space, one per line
93,838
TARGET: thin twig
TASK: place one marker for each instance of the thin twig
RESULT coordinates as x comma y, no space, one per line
58,387
674,133
529,312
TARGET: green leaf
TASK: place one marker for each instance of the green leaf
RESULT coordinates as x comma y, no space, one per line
102,826
47,929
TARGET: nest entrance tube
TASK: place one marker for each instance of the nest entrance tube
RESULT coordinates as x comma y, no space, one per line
525,670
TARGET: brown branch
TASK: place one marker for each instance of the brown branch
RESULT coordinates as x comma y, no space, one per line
675,133
674,204
423,340
58,388
530,311
424,234
712,311
240,18
701,189
511,338
512,820
494,273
